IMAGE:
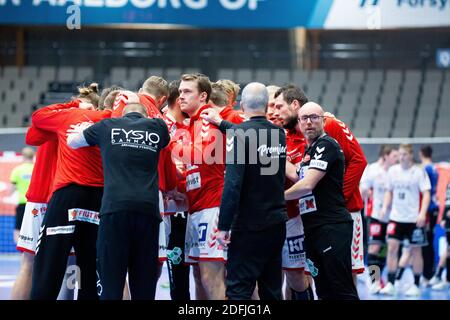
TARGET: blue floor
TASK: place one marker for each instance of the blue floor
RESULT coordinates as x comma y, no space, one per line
9,264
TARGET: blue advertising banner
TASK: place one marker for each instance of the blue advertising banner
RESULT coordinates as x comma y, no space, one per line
320,14
198,13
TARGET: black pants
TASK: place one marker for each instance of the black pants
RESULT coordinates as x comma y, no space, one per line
328,247
20,210
178,273
428,250
128,241
57,237
255,256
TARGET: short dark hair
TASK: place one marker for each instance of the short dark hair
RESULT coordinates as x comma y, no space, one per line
427,151
386,150
203,83
173,92
291,93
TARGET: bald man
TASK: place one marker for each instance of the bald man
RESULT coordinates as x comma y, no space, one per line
255,212
129,215
327,223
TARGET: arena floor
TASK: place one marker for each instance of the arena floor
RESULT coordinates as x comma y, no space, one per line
9,264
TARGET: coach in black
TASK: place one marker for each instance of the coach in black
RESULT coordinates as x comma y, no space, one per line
327,223
253,204
129,216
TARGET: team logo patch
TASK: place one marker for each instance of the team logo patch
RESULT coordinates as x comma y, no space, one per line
84,215
202,227
34,212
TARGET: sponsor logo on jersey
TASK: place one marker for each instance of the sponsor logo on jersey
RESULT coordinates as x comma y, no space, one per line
295,245
307,204
193,181
319,164
60,230
84,215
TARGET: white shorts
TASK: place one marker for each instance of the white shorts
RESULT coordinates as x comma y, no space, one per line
201,243
357,243
293,254
29,231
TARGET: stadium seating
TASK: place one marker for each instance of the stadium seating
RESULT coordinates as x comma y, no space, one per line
374,103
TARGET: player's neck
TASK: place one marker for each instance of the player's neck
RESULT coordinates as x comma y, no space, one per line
176,113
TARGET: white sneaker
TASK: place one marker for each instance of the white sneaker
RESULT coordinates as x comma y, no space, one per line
433,281
375,287
443,285
413,291
388,290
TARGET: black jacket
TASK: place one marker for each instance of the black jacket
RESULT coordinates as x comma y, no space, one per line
253,194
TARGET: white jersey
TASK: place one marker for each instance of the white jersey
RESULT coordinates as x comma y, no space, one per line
375,178
406,186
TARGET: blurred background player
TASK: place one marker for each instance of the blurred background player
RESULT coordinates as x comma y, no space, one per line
20,180
425,155
374,181
406,184
444,259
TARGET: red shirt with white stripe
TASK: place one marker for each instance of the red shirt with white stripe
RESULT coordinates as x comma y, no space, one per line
204,157
355,162
82,166
295,144
40,189
179,133
150,104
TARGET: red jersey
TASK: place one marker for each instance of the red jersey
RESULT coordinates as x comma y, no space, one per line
355,162
150,104
295,144
179,133
40,189
82,166
204,157
231,115
122,99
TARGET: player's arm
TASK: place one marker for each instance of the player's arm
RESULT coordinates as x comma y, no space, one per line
49,118
426,197
77,135
291,172
37,137
304,186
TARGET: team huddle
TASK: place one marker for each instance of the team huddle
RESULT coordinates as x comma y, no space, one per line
123,180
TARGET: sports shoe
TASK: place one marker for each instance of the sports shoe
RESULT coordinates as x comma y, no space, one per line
443,285
433,281
375,287
388,290
413,291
